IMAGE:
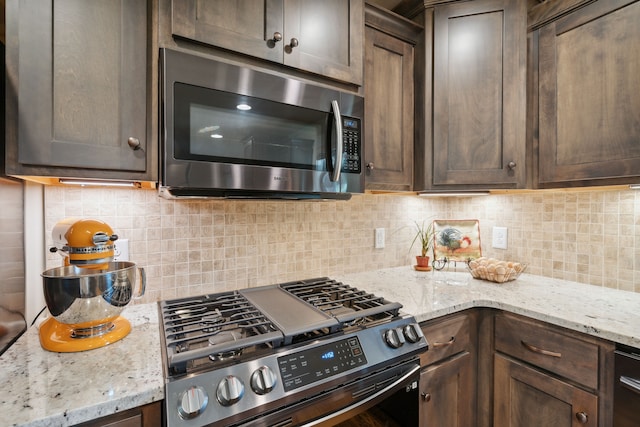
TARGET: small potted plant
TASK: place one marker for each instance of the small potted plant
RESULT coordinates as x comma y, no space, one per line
424,234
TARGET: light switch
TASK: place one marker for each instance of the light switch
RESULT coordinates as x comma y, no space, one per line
379,238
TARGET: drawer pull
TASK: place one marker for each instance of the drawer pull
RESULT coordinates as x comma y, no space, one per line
444,344
535,349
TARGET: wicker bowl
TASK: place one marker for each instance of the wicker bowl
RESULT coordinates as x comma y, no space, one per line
495,270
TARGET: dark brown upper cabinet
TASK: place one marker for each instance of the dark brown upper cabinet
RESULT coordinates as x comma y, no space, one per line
78,101
472,101
585,67
389,101
323,37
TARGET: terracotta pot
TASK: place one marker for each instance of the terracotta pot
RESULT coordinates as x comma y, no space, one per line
422,261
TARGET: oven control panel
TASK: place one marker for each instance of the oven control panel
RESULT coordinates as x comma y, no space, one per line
317,363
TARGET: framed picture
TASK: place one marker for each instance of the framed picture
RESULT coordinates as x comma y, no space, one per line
456,240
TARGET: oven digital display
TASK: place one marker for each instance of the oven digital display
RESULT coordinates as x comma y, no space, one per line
324,361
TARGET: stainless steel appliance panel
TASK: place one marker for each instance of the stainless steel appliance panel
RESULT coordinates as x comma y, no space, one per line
289,144
626,407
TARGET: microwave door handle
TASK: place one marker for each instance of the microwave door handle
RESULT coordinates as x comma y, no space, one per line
335,176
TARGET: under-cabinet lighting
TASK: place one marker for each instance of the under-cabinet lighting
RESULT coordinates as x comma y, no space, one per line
455,194
99,183
634,186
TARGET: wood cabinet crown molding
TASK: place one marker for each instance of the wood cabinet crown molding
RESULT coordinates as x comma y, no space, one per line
391,23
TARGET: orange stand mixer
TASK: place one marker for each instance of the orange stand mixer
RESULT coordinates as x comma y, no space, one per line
86,296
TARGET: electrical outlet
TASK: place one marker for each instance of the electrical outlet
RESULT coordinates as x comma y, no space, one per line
379,238
121,250
499,240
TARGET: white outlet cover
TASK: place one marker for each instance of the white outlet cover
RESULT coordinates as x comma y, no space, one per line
379,238
121,250
499,240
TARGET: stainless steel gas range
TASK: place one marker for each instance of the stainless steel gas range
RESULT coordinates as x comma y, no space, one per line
311,352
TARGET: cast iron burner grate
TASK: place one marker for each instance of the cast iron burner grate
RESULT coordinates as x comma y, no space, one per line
349,305
194,328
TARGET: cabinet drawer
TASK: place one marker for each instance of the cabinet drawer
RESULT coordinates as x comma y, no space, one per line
446,337
549,348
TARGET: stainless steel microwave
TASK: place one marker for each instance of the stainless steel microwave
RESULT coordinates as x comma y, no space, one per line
232,131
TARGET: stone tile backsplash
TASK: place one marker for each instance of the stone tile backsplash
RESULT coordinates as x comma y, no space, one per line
193,247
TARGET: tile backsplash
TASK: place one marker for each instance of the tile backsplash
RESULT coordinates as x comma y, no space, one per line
193,247
12,292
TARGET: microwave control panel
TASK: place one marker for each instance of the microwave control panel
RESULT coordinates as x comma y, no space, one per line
352,145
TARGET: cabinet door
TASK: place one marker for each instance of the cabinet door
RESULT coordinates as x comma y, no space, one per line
329,37
80,80
525,397
479,87
389,112
246,26
149,415
323,37
447,393
589,75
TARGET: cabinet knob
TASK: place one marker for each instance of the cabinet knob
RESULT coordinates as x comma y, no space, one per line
370,166
294,42
134,143
426,396
511,165
582,417
277,36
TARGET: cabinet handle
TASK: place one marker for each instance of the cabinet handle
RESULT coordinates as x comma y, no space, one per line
582,417
426,396
540,351
444,344
293,43
370,166
134,143
511,165
277,36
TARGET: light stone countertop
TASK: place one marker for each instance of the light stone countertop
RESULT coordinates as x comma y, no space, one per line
602,312
40,388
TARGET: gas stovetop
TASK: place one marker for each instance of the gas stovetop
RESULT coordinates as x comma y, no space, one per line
232,356
208,331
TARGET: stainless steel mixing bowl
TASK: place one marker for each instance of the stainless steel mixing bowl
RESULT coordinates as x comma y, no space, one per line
82,297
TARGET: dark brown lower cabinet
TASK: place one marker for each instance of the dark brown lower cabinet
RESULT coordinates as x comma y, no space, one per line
526,397
448,377
445,393
143,416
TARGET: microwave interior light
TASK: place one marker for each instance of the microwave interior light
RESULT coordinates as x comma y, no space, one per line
243,107
208,129
216,135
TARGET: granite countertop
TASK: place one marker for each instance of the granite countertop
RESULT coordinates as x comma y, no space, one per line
602,312
40,388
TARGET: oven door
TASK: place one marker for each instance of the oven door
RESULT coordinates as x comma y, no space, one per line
232,131
388,398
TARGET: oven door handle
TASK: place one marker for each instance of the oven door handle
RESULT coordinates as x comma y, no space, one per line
369,399
630,383
337,165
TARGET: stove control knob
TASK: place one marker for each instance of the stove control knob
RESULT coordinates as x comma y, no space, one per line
412,333
192,402
394,338
230,390
263,380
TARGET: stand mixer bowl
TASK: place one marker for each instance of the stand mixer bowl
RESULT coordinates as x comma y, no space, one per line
85,298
